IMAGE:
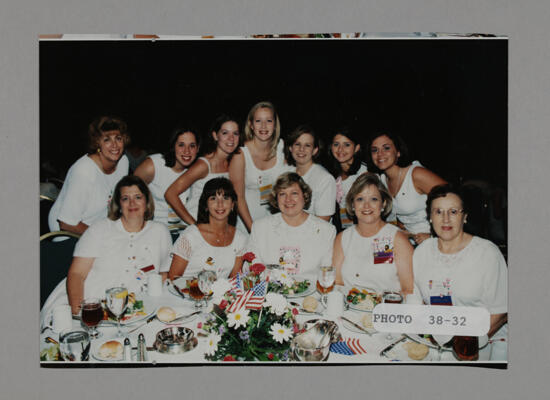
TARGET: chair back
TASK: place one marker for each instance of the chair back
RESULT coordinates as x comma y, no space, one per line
46,204
55,260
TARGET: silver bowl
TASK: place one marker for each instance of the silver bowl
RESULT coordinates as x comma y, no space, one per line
314,343
175,340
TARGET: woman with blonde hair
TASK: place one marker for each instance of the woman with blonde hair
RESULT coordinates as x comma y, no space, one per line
254,170
372,253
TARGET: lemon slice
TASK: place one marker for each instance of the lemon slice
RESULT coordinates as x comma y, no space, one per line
122,294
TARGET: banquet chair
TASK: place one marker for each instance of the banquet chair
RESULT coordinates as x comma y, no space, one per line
46,204
55,260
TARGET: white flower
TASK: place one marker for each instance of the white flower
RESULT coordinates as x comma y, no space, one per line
283,277
280,333
219,288
212,343
276,303
238,318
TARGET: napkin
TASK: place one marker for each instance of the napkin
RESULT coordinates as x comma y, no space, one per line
348,347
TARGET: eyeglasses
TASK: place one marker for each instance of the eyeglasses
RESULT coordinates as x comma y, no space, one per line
451,212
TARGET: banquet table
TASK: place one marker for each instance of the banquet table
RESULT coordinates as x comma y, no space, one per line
373,345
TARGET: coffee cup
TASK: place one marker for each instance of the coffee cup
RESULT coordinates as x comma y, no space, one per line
335,304
154,285
60,318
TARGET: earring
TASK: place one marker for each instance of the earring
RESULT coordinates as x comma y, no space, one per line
430,221
98,150
382,210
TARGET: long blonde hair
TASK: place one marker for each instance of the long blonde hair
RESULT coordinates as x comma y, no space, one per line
249,133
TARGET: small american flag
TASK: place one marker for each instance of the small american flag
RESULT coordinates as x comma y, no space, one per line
237,284
251,299
348,347
258,295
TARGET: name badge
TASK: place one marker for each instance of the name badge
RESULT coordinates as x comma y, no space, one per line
440,292
265,191
289,259
382,250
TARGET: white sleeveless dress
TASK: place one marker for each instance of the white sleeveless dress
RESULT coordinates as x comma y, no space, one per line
197,187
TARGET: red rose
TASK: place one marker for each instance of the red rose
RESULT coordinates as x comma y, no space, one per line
295,328
229,357
295,311
249,257
270,356
257,268
199,325
223,304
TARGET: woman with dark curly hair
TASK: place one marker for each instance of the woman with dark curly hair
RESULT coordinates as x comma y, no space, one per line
220,144
90,181
159,171
213,243
408,183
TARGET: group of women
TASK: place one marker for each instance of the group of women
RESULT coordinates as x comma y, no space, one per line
257,193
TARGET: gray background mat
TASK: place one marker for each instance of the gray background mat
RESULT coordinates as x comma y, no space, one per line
524,22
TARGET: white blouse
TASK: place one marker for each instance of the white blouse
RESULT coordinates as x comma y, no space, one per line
191,246
370,261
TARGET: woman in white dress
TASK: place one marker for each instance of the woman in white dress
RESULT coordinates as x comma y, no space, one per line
408,183
293,238
254,170
214,243
219,147
90,181
121,249
372,253
302,148
159,171
456,268
345,166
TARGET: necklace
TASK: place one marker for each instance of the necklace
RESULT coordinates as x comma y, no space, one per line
223,239
398,186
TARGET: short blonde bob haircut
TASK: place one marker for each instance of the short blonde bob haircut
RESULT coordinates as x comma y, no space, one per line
115,211
364,180
285,181
249,133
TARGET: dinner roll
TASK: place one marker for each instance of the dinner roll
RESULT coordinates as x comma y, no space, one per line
166,314
111,349
416,351
310,304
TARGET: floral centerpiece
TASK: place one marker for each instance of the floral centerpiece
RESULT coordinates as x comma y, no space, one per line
249,324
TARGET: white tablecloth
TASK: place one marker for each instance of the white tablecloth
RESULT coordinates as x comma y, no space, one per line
372,344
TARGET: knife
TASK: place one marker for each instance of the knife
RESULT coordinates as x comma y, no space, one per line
391,346
356,325
145,323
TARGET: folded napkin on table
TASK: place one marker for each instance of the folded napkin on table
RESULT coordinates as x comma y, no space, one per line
348,347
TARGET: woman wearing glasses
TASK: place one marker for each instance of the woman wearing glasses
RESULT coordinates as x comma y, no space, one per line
456,268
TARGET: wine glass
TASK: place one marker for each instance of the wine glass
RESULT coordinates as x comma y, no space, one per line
205,280
92,314
117,301
195,293
392,298
325,282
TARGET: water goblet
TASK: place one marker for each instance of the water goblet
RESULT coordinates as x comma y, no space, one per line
325,282
117,301
92,314
205,280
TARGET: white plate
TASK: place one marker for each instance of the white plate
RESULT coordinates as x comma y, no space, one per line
179,312
311,289
99,358
399,353
148,311
355,317
356,306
